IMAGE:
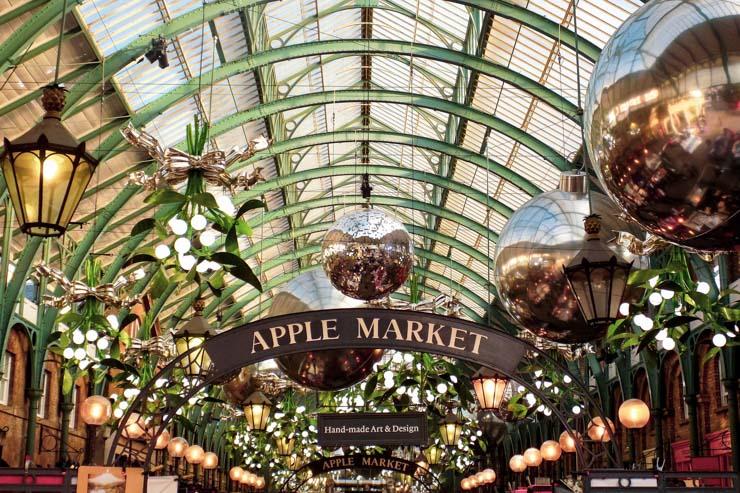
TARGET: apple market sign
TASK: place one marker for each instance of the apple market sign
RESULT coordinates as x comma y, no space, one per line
364,328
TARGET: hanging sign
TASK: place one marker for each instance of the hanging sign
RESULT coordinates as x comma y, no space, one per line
383,462
363,429
373,328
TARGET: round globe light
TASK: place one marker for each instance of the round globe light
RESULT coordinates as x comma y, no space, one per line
186,261
182,245
178,226
207,238
517,464
163,440
597,429
195,454
96,410
634,413
567,441
235,473
177,447
210,460
550,450
532,457
489,475
668,344
719,340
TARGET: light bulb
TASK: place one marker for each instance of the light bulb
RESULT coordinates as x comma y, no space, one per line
655,299
207,238
719,340
182,245
68,353
702,287
624,309
661,335
102,343
186,261
666,294
647,324
78,337
80,353
178,226
162,252
199,222
91,335
639,319
668,344
441,388
112,321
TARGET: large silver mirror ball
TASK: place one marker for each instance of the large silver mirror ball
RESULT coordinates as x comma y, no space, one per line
540,238
662,121
367,254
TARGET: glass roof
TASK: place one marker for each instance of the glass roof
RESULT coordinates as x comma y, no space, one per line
439,88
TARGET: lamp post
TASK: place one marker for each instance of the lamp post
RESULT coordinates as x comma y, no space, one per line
195,454
257,411
95,411
210,462
517,465
163,439
597,279
235,474
190,338
633,414
176,449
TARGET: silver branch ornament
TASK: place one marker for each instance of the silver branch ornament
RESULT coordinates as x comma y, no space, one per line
76,291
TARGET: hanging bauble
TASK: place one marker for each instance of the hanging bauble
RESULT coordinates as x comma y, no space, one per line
662,119
321,370
367,254
493,427
541,237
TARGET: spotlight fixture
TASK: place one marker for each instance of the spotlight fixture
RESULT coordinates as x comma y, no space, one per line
158,52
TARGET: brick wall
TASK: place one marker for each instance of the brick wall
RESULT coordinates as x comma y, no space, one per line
14,414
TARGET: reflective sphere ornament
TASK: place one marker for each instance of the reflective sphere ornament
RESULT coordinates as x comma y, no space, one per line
662,119
492,426
239,387
321,370
367,254
541,237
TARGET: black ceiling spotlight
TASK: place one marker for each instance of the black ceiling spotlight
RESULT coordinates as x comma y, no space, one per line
158,52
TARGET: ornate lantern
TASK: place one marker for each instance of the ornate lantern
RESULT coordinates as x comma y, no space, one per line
257,411
598,280
285,445
433,455
192,336
532,457
294,462
489,390
517,464
210,460
47,171
177,447
550,450
450,429
95,410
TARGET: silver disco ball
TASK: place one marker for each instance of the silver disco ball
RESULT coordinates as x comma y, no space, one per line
331,369
541,237
367,254
662,121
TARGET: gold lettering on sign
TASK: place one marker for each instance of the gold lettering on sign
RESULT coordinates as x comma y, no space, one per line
258,339
293,331
277,333
326,329
393,327
364,331
433,336
454,338
309,334
476,344
412,331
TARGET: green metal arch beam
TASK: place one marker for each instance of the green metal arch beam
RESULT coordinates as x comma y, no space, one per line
319,227
396,97
397,138
147,113
194,18
330,171
25,34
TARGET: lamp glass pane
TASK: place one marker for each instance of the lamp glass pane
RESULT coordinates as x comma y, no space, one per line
81,179
57,170
26,167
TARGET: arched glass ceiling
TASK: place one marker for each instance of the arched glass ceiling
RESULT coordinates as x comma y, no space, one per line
461,110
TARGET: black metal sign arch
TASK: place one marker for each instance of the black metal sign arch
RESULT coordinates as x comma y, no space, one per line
293,483
404,330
